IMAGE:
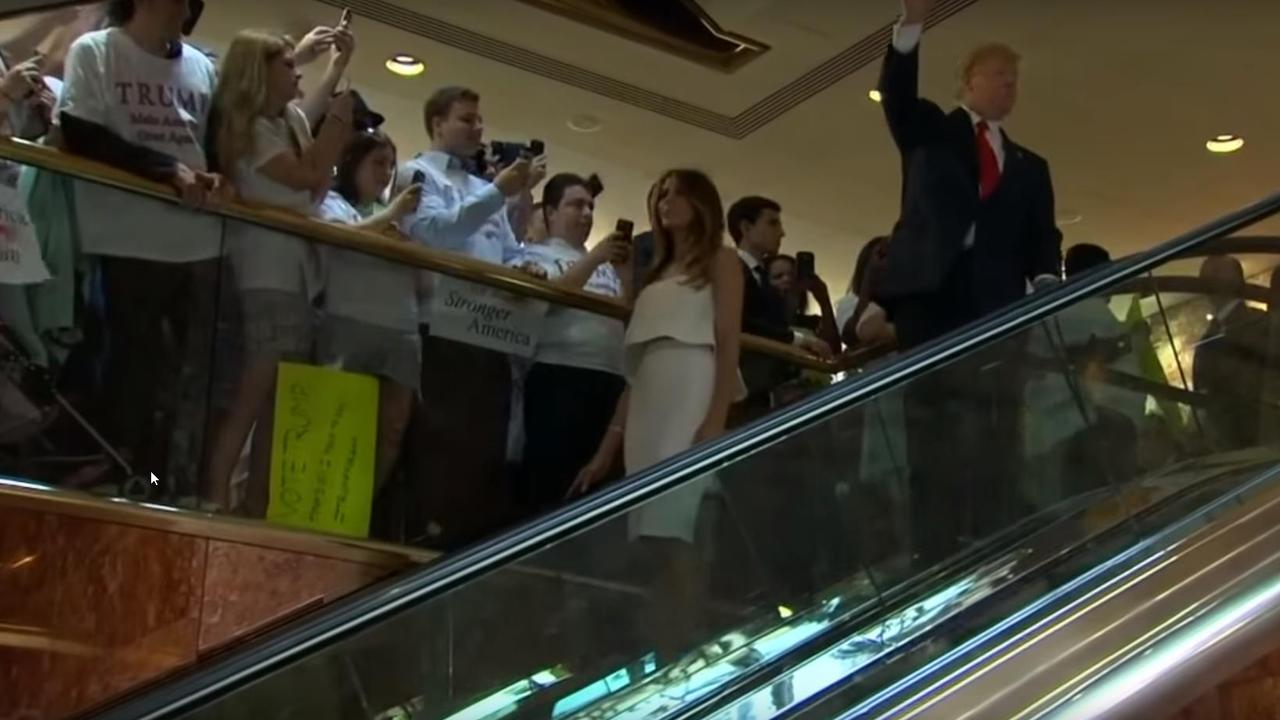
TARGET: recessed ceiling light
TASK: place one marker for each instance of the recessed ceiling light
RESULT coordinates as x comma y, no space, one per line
874,95
405,65
585,123
1225,143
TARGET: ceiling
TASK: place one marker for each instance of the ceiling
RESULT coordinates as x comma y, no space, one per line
1119,96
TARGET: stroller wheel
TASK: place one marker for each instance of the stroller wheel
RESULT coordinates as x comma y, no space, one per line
137,488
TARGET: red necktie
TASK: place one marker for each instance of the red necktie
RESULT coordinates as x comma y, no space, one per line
988,165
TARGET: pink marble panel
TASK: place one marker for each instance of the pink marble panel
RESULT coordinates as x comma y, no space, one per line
89,609
249,589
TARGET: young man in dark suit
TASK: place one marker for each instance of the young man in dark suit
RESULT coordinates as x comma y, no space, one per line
976,230
755,223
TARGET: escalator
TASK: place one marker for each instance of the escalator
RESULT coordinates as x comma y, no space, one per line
814,604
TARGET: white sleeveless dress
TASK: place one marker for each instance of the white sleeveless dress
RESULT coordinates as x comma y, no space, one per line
671,368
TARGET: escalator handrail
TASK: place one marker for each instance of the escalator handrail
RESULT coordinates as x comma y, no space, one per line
343,618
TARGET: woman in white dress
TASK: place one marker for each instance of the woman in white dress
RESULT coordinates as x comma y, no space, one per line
682,370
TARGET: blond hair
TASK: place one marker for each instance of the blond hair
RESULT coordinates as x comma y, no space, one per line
979,55
241,96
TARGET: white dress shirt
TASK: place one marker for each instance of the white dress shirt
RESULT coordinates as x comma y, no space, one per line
752,263
905,40
459,212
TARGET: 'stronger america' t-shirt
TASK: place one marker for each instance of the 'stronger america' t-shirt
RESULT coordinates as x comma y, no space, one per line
161,103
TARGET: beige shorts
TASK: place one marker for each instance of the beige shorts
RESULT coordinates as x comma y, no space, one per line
363,347
278,324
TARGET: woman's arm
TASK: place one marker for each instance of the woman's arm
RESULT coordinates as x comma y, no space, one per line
404,203
726,287
315,103
312,169
607,453
827,330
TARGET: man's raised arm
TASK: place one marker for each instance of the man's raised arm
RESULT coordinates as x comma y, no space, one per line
910,118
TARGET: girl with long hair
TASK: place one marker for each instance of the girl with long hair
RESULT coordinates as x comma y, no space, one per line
371,304
265,147
682,367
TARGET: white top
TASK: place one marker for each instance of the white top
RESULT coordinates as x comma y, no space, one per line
156,102
673,309
267,259
577,338
845,307
459,212
365,287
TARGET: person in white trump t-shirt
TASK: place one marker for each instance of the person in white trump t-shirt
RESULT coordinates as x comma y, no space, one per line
137,97
577,377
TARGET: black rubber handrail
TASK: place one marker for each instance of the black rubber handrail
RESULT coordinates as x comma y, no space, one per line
331,624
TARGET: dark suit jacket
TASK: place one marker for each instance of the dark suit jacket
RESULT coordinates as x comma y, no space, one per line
764,313
1016,238
1230,367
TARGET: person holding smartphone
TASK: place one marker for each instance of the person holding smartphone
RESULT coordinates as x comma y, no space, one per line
755,223
573,387
796,280
457,457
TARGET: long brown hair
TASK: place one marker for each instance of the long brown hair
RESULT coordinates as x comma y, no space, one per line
706,232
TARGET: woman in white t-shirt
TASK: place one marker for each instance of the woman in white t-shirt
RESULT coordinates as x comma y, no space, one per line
371,304
264,144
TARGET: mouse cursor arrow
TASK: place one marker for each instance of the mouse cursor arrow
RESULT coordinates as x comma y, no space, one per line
155,480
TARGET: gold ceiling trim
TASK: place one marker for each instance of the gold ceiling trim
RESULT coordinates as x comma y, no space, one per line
607,17
866,51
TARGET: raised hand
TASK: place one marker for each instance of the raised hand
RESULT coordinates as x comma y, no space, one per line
514,178
344,46
22,80
537,172
316,42
914,12
407,201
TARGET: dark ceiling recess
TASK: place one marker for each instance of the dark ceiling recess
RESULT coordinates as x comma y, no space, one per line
679,27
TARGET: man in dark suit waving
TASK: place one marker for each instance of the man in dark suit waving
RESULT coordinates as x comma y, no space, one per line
976,231
977,221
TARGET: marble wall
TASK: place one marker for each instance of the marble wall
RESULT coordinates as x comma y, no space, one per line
1251,694
92,609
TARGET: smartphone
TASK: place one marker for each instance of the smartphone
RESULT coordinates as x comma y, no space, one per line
804,265
625,228
536,148
345,21
419,177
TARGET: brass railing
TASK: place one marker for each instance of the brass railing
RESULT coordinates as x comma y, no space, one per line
408,253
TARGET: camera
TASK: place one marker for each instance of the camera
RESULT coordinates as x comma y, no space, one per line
501,153
505,153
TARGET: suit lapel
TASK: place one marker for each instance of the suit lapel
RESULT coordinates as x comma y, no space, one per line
1014,159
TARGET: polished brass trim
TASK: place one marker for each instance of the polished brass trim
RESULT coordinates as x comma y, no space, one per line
603,17
117,511
866,51
446,263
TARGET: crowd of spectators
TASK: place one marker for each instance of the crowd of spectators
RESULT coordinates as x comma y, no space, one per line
138,300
